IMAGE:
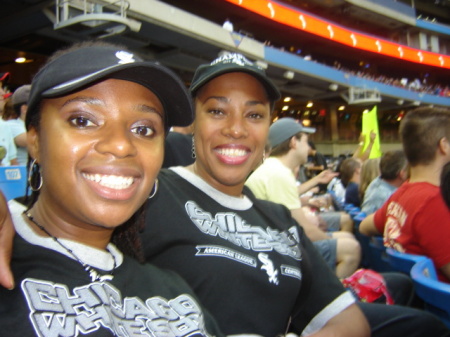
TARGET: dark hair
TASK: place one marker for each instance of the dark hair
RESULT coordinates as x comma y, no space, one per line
284,147
445,183
347,169
9,112
391,163
421,130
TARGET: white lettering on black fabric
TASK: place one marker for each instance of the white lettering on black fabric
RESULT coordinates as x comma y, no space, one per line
54,311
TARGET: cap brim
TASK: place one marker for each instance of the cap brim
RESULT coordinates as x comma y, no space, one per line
161,81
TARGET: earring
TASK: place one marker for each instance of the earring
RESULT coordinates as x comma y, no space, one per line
34,168
263,156
155,189
194,155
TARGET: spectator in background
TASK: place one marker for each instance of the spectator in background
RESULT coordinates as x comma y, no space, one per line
393,169
228,25
275,181
351,177
445,184
4,77
317,164
369,171
14,115
415,219
8,150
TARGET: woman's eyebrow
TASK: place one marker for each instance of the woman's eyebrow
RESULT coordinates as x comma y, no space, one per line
85,99
149,109
222,99
227,100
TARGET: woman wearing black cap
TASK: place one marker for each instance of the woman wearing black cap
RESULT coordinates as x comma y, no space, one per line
247,260
95,134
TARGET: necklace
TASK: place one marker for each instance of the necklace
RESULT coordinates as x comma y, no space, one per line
95,276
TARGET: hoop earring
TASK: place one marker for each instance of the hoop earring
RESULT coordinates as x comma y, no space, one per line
34,167
155,189
194,155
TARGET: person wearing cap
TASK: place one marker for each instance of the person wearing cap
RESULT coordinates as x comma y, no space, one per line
96,139
245,258
14,115
275,181
237,253
4,94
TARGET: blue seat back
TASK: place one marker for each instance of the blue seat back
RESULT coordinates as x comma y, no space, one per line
13,181
402,262
435,294
377,259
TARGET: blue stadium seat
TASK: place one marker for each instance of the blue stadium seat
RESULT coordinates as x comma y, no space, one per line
13,181
435,294
402,262
377,255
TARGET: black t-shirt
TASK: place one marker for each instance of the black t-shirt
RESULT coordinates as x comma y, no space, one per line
242,257
55,296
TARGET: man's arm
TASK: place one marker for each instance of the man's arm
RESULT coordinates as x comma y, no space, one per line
6,243
21,140
367,226
323,177
349,323
313,232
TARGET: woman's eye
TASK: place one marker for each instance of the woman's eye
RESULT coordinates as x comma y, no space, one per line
256,115
216,112
144,131
81,122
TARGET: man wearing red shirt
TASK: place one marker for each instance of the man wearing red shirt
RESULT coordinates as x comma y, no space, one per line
415,218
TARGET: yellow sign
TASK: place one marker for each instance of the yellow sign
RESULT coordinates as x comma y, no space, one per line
369,124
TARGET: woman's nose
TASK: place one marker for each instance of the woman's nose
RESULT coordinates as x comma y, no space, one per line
117,141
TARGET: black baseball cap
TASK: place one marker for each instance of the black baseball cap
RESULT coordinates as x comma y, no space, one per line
83,67
230,63
284,129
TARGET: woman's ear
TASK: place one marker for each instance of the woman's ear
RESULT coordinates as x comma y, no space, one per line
33,143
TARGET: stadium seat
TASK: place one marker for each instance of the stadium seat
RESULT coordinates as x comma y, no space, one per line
377,255
13,181
402,262
435,294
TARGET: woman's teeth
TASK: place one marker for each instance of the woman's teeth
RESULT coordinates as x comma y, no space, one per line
232,152
110,181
